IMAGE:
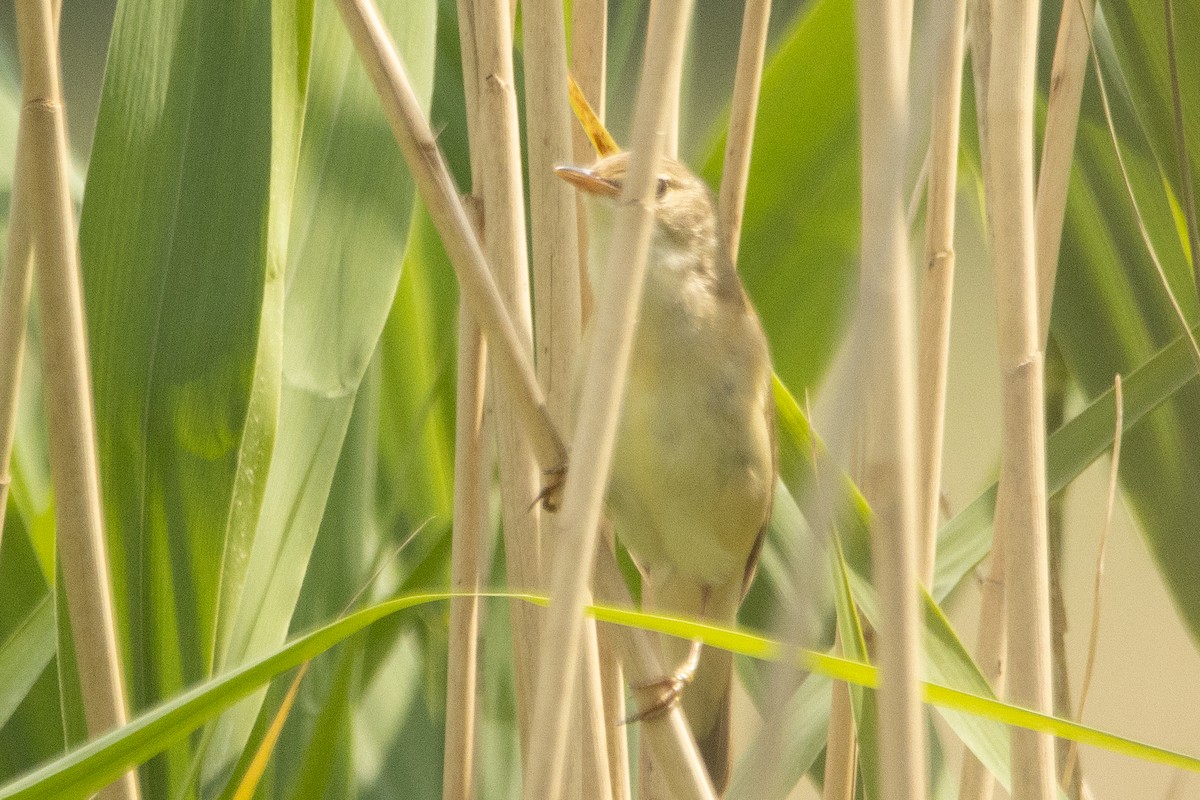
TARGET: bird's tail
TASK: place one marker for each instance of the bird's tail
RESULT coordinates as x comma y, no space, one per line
706,700
707,703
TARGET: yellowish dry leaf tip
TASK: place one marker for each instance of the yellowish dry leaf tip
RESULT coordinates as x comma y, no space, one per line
597,134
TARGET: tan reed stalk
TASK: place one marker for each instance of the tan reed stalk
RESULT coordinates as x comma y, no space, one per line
1058,146
557,315
15,287
80,539
937,281
589,48
1062,117
470,522
743,111
603,386
589,37
419,147
552,204
1021,509
496,138
596,730
885,331
613,688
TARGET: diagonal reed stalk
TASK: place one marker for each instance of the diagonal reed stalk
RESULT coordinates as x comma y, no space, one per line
80,538
884,328
436,188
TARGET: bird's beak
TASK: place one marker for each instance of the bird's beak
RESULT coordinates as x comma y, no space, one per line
588,181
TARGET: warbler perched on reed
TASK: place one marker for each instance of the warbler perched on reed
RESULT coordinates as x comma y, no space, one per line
694,467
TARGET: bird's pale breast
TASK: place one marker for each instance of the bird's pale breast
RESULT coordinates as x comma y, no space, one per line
693,468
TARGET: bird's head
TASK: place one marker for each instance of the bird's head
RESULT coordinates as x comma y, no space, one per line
683,207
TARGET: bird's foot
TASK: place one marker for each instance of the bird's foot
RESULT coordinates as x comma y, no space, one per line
661,695
551,494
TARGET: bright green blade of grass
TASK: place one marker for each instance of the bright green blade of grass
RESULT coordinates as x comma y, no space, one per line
349,226
87,768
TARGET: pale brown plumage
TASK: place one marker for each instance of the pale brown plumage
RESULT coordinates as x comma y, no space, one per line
694,467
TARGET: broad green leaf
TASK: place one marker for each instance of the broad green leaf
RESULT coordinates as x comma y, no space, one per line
416,419
1139,39
181,246
800,234
1111,312
349,225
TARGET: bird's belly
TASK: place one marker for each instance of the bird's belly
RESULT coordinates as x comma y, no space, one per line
692,470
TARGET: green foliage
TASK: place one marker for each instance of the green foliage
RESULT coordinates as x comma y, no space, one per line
271,320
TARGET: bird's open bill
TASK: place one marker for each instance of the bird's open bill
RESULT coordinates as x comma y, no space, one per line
588,181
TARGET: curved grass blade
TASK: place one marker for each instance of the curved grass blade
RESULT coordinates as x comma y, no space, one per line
82,771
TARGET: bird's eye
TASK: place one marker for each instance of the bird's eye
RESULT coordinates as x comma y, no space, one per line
661,189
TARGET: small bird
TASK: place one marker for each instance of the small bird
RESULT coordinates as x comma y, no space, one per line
694,467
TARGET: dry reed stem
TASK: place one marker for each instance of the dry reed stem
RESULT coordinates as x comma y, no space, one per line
841,745
885,331
552,204
1098,579
511,363
602,389
496,138
15,287
1058,147
743,110
1062,117
74,467
557,315
937,283
470,522
1021,508
589,37
436,188
596,730
589,48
